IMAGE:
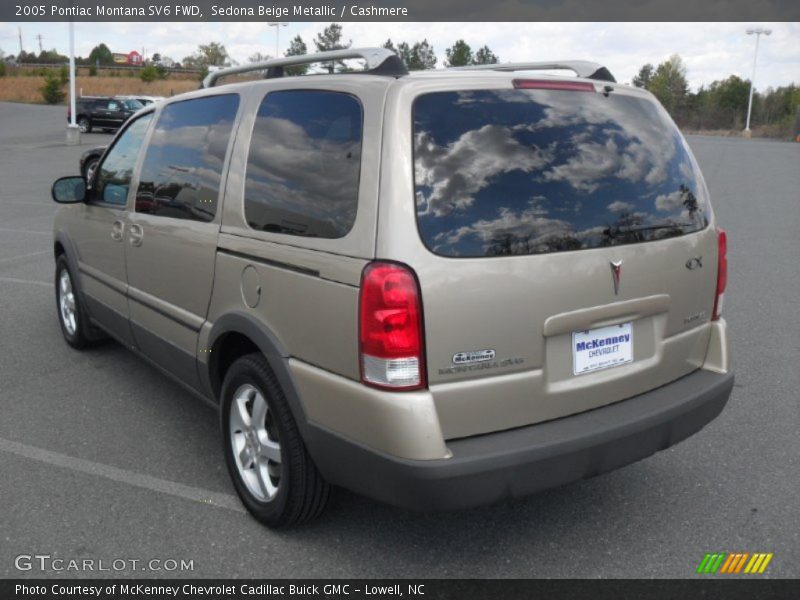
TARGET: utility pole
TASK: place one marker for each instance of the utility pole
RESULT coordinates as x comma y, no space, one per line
39,37
757,31
19,29
277,25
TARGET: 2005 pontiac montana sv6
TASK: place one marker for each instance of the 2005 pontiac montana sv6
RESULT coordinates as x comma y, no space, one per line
437,289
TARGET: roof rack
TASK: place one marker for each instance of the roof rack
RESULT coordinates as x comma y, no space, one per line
380,61
582,68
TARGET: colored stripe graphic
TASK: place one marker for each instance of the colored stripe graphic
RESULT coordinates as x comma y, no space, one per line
734,562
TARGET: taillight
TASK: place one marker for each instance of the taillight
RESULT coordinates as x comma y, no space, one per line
391,338
722,273
547,84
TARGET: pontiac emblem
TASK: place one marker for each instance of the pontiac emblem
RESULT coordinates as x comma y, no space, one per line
616,271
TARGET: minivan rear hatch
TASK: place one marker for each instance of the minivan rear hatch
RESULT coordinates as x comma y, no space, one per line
568,261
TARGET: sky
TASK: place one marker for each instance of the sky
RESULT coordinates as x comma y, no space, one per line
711,51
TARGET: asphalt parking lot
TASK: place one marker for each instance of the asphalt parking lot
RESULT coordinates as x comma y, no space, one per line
102,457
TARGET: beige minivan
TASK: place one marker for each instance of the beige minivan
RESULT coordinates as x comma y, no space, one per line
438,289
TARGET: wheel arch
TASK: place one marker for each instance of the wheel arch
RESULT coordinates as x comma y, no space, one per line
237,334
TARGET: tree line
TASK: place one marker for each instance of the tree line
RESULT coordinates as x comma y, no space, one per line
722,104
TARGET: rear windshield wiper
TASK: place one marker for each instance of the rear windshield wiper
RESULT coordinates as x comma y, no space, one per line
615,231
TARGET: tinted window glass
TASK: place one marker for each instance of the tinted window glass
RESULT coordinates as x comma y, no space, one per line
183,165
113,178
530,171
304,164
133,104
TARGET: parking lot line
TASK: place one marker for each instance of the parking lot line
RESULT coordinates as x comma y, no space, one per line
187,492
25,231
13,258
29,281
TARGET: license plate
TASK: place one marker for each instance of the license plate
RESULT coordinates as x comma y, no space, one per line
602,348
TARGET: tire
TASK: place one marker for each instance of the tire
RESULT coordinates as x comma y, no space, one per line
89,167
75,326
267,460
85,124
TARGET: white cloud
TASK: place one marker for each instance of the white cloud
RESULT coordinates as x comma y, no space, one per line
460,170
619,206
669,202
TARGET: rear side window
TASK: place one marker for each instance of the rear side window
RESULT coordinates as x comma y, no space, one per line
182,168
304,164
510,172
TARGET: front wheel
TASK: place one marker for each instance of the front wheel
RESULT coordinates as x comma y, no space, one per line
70,312
270,467
84,124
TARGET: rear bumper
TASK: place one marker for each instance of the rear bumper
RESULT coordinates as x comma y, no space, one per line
491,467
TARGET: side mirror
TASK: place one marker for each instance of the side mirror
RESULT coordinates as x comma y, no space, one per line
69,190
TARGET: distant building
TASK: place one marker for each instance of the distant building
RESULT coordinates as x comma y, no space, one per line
132,58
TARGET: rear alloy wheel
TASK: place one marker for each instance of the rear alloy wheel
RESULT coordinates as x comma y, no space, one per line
270,467
85,125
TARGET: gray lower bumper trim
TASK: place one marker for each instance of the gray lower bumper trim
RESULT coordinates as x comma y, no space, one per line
522,461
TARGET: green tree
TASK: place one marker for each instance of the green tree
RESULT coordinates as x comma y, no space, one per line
51,90
149,74
101,55
297,47
421,57
92,71
459,55
644,76
212,53
670,86
418,57
2,67
331,39
63,74
485,56
258,57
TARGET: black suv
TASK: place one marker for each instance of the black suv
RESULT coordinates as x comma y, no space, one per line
103,112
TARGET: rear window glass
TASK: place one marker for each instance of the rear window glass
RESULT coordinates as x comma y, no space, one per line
304,164
509,172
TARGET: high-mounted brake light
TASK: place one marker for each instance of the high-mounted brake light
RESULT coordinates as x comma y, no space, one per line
722,273
547,84
390,328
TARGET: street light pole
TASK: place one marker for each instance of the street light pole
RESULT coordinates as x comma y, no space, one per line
757,31
73,132
277,25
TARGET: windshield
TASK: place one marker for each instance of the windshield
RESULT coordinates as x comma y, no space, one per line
133,104
509,172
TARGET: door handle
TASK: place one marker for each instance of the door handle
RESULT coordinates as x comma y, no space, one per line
117,230
135,235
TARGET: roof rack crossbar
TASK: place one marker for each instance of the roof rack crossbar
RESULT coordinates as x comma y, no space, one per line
374,57
581,68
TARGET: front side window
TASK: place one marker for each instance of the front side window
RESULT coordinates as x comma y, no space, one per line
182,168
113,105
113,178
304,164
508,172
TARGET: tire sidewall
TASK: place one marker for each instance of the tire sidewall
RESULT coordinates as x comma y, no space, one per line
76,339
239,374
